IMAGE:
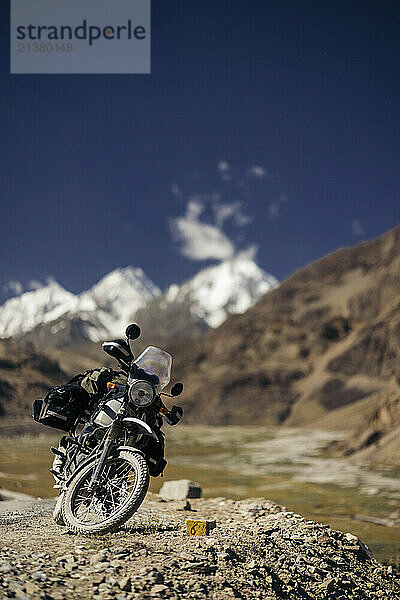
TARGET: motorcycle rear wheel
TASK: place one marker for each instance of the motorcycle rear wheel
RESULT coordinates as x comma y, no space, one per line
123,487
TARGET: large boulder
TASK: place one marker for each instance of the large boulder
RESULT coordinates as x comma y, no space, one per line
180,490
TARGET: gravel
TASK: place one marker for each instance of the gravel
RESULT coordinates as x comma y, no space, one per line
258,549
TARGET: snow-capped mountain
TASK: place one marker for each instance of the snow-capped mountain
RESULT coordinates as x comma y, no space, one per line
53,317
116,298
219,291
103,310
207,299
22,313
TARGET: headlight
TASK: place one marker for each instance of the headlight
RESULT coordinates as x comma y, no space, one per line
141,393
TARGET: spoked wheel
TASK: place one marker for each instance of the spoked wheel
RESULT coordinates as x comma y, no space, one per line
123,486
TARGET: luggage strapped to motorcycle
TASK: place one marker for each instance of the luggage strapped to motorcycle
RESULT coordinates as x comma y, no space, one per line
94,381
63,407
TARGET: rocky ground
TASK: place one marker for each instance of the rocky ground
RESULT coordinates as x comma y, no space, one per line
257,550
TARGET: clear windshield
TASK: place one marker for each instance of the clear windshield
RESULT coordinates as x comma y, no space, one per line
155,362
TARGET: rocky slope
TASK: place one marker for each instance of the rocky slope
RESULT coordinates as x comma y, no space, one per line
24,375
257,550
328,337
374,425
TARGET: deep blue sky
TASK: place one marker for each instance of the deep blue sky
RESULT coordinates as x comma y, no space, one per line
307,90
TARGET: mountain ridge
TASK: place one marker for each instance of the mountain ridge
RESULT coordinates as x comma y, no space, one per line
321,349
106,308
327,337
207,299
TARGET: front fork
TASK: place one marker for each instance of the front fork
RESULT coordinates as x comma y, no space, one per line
111,437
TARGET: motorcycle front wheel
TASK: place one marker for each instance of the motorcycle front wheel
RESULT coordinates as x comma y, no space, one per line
123,486
57,512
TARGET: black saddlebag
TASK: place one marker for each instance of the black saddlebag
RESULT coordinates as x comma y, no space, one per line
63,407
154,451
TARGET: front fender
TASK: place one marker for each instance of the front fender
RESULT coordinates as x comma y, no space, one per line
140,425
131,449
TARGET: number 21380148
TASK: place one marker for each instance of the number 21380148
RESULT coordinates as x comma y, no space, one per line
45,47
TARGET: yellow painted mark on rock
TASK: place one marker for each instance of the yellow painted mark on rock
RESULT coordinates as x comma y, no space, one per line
199,527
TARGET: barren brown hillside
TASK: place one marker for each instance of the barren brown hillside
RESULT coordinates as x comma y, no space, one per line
24,375
328,337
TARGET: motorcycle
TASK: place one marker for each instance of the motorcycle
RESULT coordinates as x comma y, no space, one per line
106,468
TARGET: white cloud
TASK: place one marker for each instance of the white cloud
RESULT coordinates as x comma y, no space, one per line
194,208
224,170
256,171
249,252
176,190
13,287
274,208
34,284
357,229
223,165
224,211
199,240
200,231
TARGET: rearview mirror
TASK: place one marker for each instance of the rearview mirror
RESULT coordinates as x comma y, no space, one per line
132,331
177,389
